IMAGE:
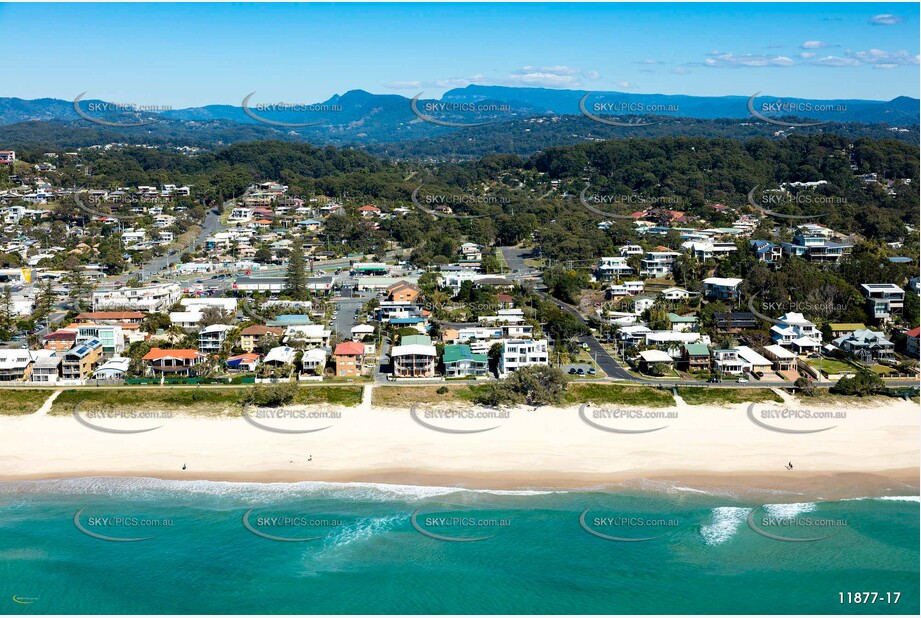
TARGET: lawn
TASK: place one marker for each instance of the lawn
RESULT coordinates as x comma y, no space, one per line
704,395
832,366
18,401
616,394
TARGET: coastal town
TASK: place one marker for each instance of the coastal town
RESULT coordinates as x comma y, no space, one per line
148,285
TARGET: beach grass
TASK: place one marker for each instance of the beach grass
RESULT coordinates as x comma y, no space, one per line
17,402
195,401
696,396
645,396
406,396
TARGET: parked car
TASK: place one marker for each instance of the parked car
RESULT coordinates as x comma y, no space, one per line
581,371
713,381
591,371
742,381
572,370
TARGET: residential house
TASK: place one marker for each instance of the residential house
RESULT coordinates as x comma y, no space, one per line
111,317
173,363
883,299
695,357
313,359
612,268
816,247
15,365
110,335
308,336
840,329
243,362
766,251
46,369
867,345
911,342
403,292
683,323
735,321
726,360
754,362
279,356
60,340
781,358
116,368
794,331
250,336
460,362
674,293
648,358
722,288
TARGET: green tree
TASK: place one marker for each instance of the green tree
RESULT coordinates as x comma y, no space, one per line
296,282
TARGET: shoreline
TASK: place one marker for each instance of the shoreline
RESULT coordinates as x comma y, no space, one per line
819,486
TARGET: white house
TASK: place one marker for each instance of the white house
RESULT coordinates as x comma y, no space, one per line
518,353
723,288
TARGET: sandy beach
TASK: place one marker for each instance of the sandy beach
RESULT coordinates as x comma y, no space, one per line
870,450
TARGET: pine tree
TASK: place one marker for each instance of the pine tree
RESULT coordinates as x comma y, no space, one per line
296,283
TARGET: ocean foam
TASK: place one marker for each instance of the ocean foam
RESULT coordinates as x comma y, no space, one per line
789,510
726,521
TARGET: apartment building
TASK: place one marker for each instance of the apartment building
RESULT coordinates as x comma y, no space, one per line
414,358
152,298
78,363
518,353
250,336
349,357
658,263
211,338
110,335
15,365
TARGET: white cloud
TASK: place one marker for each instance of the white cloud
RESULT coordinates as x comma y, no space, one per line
814,45
680,71
807,55
550,77
459,82
885,66
411,85
624,84
721,59
886,19
836,61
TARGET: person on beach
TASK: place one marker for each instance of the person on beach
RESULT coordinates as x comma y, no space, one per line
789,465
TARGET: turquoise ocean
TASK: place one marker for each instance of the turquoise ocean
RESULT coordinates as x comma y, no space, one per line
404,549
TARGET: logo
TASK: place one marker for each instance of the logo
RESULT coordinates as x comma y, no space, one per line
618,413
24,600
414,105
282,521
276,123
798,414
86,423
458,522
790,521
780,106
413,413
263,412
614,123
621,521
106,521
435,213
105,107
97,213
771,213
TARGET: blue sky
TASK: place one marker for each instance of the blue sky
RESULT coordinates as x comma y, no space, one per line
195,54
